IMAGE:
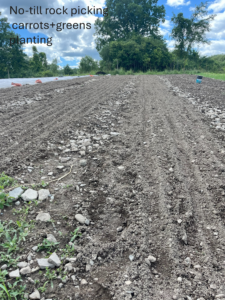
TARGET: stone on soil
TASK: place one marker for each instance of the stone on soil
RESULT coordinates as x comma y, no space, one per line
26,270
29,195
22,264
14,274
43,194
54,260
64,159
69,267
83,281
16,193
44,217
114,133
43,263
152,258
4,267
80,218
51,238
83,162
35,295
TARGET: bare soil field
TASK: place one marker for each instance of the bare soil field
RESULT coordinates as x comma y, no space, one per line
142,159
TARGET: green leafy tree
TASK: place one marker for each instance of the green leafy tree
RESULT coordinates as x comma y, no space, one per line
39,60
68,70
138,53
12,58
187,32
75,71
87,64
128,17
54,66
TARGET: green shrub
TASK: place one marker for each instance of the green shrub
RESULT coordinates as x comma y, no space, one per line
47,73
130,72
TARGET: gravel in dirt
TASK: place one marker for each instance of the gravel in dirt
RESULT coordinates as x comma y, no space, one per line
145,169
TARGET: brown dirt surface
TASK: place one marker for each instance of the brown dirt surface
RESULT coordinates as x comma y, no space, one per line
154,189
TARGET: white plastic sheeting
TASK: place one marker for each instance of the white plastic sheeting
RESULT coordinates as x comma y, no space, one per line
6,83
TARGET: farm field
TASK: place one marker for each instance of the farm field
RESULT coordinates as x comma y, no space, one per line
137,163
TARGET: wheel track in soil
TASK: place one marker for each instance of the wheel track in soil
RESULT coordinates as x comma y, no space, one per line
84,105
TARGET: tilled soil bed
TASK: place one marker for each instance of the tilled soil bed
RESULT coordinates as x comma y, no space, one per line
141,158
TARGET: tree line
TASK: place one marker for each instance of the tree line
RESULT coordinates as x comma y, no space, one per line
129,39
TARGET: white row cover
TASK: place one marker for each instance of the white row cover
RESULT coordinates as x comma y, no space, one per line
6,83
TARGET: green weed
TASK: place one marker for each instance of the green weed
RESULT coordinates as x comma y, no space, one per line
69,250
47,246
50,275
6,181
5,200
75,234
10,291
43,288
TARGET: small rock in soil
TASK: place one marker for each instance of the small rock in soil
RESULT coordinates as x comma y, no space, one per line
87,222
51,238
147,261
29,195
22,264
54,260
114,133
16,193
88,268
187,261
152,258
220,296
60,167
121,168
119,229
25,271
81,219
83,162
14,274
69,267
35,295
131,257
4,267
43,194
64,159
44,217
83,282
43,263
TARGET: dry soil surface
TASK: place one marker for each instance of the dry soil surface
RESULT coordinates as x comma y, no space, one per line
153,187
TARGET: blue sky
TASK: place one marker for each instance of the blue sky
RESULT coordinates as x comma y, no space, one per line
69,46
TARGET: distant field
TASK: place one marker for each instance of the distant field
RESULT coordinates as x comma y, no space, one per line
214,75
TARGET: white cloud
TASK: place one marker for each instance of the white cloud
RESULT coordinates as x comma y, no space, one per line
217,30
166,24
170,44
216,47
68,58
163,31
69,44
166,27
177,3
217,6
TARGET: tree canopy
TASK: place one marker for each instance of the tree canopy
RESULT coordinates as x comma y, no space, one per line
12,57
68,70
136,53
87,64
127,18
187,32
